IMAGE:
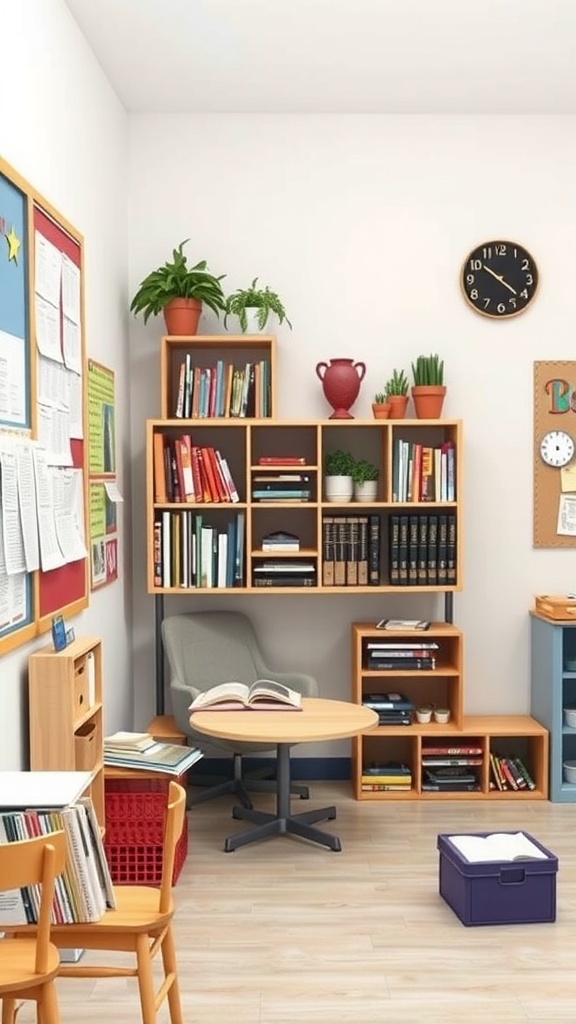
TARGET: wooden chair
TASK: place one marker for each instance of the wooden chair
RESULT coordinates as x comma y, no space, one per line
140,924
28,966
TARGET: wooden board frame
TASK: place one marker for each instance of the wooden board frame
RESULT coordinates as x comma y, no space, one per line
554,409
65,590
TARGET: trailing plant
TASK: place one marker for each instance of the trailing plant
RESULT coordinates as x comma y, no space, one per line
397,384
262,299
176,280
428,370
363,471
338,463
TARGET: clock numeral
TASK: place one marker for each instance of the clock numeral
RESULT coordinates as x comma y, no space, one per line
475,264
486,303
501,307
525,264
469,278
500,250
474,293
524,294
529,279
487,252
512,303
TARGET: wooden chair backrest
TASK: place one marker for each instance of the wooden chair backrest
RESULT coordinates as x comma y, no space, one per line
172,832
33,862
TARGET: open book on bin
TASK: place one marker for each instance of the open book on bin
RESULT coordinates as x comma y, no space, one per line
498,846
263,695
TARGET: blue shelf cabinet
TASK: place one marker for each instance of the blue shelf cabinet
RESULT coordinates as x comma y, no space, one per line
553,688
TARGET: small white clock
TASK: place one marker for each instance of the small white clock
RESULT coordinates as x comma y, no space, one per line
557,448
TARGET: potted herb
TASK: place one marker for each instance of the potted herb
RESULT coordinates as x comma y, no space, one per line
380,406
397,394
338,482
179,291
365,477
428,391
253,306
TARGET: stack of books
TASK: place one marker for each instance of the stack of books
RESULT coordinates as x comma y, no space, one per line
400,655
142,752
451,767
390,776
281,487
276,572
392,708
280,540
38,803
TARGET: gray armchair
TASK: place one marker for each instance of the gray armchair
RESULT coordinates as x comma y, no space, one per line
207,648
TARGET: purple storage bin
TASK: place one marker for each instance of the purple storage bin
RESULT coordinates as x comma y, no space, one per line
498,892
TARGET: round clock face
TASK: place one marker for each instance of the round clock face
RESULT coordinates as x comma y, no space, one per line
499,279
557,448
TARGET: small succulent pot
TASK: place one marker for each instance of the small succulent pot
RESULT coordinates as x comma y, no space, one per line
381,410
442,715
424,715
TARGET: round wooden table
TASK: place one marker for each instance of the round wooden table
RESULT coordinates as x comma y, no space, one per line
320,719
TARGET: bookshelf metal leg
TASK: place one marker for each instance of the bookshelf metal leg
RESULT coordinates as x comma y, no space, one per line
449,607
158,617
283,822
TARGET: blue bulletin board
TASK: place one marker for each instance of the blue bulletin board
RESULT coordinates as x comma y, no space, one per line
29,597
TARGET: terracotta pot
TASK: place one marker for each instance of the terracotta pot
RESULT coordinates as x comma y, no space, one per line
428,400
182,316
398,405
341,383
381,412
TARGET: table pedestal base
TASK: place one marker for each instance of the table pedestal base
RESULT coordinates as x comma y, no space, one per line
283,822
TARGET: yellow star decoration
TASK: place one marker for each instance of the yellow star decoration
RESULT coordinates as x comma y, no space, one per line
14,244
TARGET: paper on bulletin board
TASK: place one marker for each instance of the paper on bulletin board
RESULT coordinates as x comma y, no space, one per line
101,420
103,535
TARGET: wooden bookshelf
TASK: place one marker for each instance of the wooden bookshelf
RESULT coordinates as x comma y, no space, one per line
65,711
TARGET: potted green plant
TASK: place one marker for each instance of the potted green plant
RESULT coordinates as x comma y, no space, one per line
179,291
397,394
338,482
428,391
365,477
380,406
253,306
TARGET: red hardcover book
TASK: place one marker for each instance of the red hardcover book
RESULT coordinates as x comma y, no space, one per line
281,460
208,485
221,491
197,474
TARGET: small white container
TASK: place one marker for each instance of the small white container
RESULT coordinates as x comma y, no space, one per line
423,715
442,715
570,717
569,771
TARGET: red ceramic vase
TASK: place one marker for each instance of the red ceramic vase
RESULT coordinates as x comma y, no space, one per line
341,384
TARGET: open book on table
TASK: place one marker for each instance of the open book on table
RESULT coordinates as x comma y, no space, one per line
263,695
497,846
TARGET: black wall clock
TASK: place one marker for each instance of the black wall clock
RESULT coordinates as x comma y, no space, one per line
499,279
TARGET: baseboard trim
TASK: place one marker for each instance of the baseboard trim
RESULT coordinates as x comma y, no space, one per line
311,769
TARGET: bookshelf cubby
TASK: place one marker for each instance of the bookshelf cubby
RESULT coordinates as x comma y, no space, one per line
506,735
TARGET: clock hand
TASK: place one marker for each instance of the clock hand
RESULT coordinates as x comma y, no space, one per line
500,278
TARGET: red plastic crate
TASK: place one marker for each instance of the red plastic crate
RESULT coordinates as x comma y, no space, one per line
135,816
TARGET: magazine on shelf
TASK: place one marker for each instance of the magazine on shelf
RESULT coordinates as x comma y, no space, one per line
263,695
171,758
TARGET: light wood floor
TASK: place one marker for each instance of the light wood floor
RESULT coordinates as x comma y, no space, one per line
284,932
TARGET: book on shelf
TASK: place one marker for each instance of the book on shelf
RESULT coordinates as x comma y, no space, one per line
281,460
451,786
451,749
395,625
279,540
168,758
84,889
430,761
137,741
286,580
497,846
263,695
387,701
386,787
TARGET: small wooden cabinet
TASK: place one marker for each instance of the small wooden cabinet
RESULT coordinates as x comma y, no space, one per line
505,735
65,711
553,688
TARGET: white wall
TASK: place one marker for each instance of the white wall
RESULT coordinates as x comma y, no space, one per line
362,225
63,129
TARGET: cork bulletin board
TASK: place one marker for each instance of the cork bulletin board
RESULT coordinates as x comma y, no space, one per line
554,488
